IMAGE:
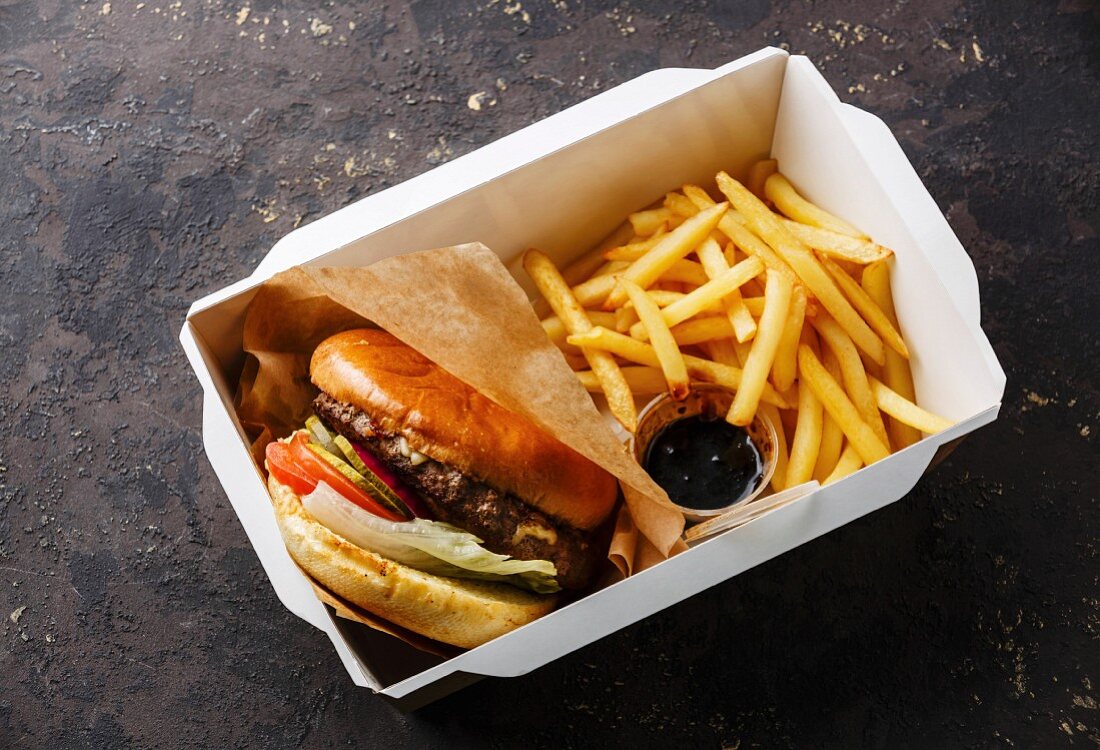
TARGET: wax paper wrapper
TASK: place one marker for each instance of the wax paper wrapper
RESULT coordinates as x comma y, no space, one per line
460,308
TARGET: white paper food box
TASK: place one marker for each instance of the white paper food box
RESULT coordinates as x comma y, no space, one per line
560,185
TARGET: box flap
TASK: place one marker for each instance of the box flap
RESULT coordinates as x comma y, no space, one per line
852,166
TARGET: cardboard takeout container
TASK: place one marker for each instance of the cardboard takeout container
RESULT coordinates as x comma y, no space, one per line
562,184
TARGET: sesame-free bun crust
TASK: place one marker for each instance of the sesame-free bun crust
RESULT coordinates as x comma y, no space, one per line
442,417
460,612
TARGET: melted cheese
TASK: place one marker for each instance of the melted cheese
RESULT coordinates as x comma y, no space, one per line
525,530
415,457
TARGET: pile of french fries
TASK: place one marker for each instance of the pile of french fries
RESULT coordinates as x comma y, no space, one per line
789,308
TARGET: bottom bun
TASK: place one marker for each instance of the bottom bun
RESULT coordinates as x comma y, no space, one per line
460,612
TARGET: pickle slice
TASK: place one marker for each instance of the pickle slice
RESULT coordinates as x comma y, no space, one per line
319,435
368,482
357,463
345,447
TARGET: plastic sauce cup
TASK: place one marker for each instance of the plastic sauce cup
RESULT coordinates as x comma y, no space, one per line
706,399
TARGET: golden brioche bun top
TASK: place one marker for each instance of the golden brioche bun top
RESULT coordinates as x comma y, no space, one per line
407,394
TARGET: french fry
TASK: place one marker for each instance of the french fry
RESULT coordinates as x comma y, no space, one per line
721,350
896,374
683,272
665,297
557,332
700,330
806,443
840,246
742,349
642,353
635,250
785,366
782,193
832,438
643,381
676,244
732,225
594,291
872,368
668,353
755,305
727,376
712,292
681,205
805,264
852,373
849,463
646,223
625,317
777,299
715,264
585,266
701,198
866,307
813,308
759,174
906,412
610,268
779,477
840,408
618,344
557,292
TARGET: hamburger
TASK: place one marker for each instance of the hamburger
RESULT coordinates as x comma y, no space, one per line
415,497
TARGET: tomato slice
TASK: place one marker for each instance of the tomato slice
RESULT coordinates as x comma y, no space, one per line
317,469
281,464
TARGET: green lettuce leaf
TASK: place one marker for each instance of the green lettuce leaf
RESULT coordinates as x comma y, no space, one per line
431,546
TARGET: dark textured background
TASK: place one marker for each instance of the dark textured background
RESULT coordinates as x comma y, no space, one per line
152,152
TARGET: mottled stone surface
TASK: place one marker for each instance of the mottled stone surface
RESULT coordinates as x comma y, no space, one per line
152,152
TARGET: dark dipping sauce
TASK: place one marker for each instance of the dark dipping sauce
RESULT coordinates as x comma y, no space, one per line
704,462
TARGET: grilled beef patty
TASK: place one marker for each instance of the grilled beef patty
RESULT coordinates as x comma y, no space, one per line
506,524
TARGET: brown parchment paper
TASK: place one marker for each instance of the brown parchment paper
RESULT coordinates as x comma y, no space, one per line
459,307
